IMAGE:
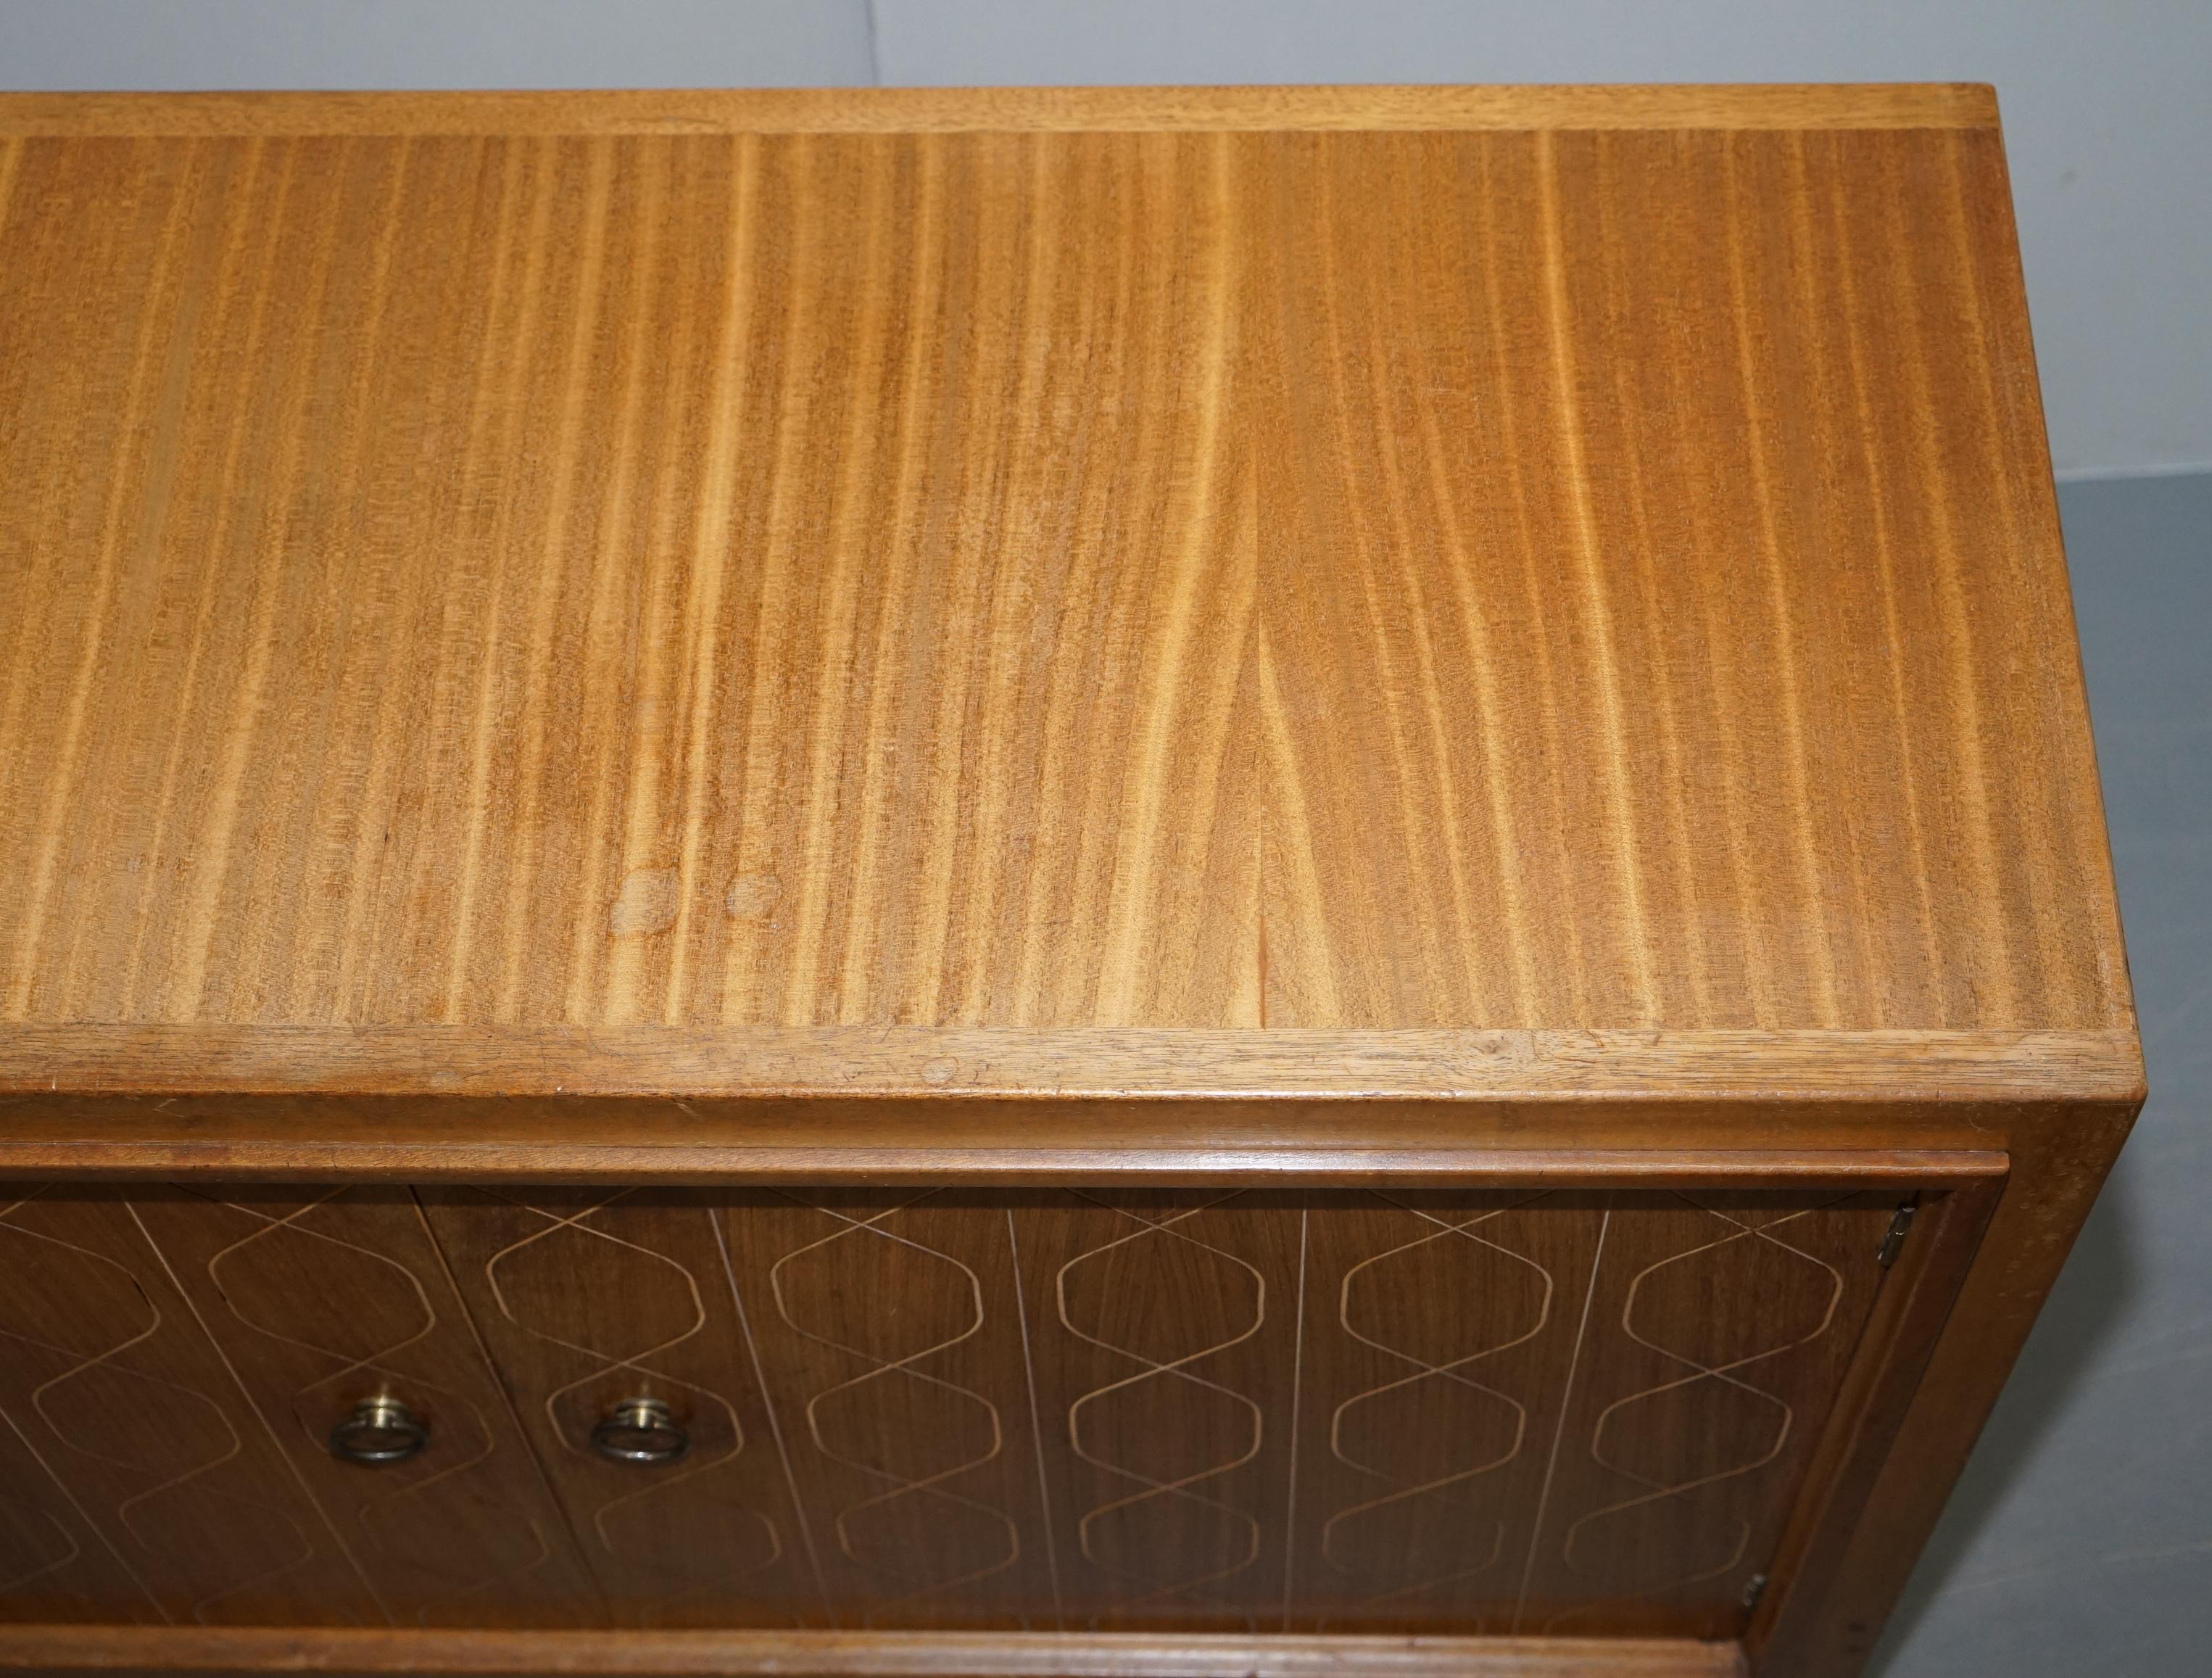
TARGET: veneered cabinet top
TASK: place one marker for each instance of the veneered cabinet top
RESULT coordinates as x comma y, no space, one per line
866,591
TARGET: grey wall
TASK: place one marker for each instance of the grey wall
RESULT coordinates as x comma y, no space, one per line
2080,1539
2107,104
2081,1536
167,44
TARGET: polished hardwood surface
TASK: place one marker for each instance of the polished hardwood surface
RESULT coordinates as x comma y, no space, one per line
1038,110
1215,580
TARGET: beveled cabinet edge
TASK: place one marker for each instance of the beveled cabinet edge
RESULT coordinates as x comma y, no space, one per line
1470,1167
1103,1063
689,1654
870,1104
953,110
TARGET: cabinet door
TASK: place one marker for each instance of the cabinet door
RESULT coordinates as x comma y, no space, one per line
591,1300
136,1484
1715,1329
1547,1413
1250,1410
323,1299
1434,1412
889,1330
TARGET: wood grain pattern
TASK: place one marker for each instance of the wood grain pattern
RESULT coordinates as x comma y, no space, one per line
1043,110
1232,581
1498,641
849,1654
631,1068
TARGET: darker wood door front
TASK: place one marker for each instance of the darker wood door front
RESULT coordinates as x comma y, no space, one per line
1562,1411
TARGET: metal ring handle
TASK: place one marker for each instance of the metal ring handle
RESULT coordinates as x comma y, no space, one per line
380,1430
640,1429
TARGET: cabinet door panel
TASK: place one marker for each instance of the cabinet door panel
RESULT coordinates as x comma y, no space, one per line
1164,1333
889,1332
1249,1411
1439,1341
55,1566
1716,1335
590,1298
325,1300
136,1483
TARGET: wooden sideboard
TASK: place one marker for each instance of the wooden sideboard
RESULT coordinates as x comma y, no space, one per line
1150,882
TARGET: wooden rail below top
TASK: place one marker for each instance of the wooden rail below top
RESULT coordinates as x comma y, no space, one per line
851,1655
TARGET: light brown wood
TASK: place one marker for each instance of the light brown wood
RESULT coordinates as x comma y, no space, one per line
1027,110
1182,581
610,1068
846,1655
1432,1150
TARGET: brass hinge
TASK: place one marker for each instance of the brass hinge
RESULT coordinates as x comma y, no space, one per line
1753,1591
1894,1239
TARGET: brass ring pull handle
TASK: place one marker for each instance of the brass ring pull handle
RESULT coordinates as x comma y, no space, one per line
640,1429
380,1430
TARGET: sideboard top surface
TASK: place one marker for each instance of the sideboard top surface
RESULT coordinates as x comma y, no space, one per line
1386,590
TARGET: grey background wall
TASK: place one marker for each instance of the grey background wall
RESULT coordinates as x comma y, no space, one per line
2081,1536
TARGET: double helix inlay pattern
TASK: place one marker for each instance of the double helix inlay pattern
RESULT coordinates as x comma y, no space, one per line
1166,1428
913,1433
1461,1427
1419,1410
1710,1401
151,1461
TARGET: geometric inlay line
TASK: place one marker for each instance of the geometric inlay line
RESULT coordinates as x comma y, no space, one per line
134,1513
378,1510
1358,1541
916,1530
1131,1537
651,1381
1733,1409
